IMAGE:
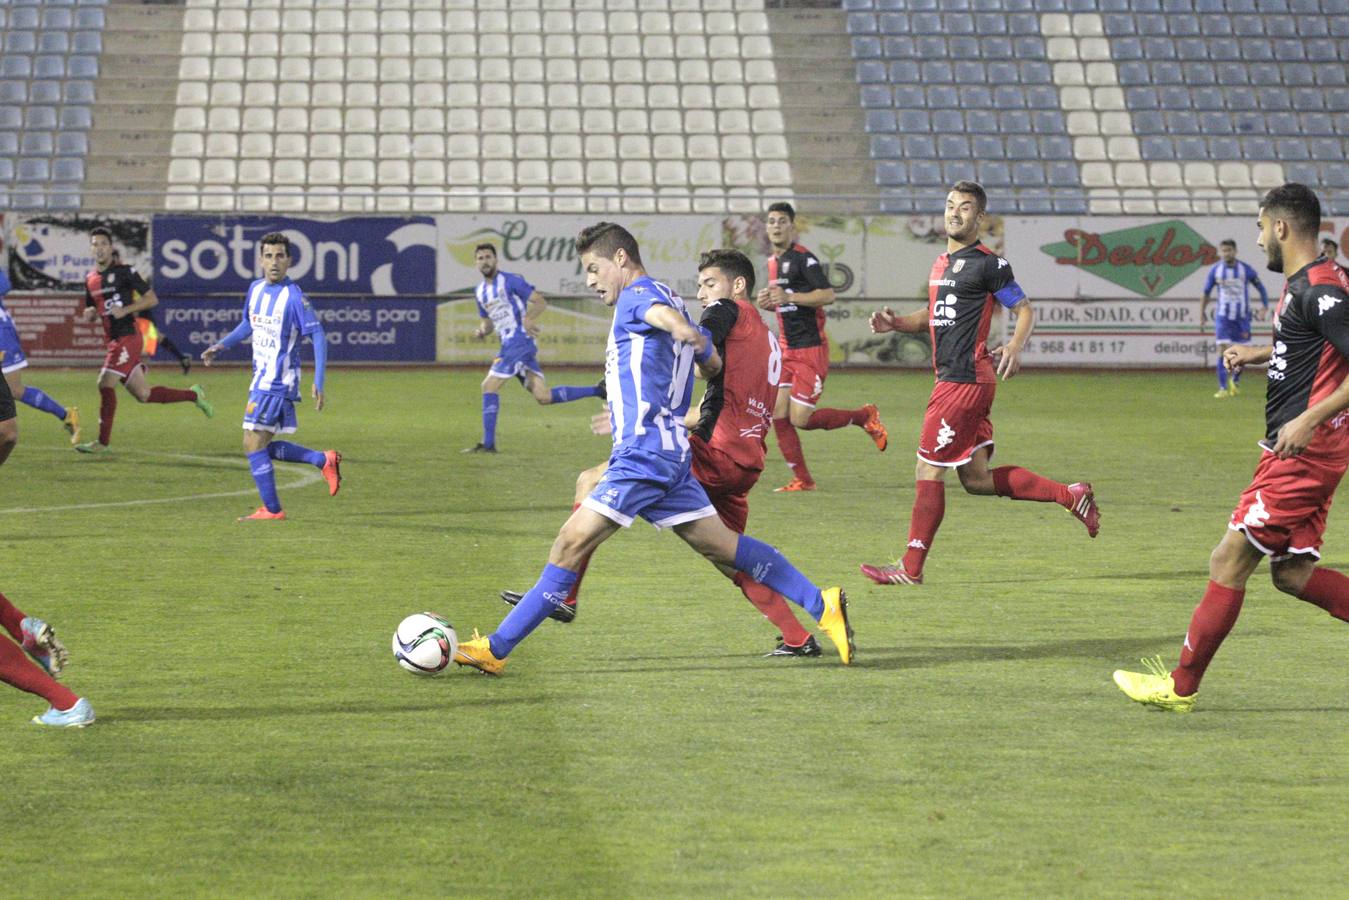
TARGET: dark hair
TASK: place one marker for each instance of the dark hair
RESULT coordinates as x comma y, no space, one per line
1332,242
733,263
481,247
276,237
607,238
974,189
1228,243
101,230
1297,203
783,206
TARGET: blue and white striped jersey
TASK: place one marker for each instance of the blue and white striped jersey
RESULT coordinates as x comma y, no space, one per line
1233,282
648,374
278,315
504,300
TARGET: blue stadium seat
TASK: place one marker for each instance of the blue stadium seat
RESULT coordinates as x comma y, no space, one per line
1241,6
1288,50
1223,48
1149,24
6,169
954,170
1306,99
862,23
876,96
1209,6
1336,176
1215,122
996,47
9,143
76,117
1028,174
1014,121
1231,73
1149,121
942,96
21,42
895,23
90,19
970,72
858,5
930,46
1021,146
1208,97
1337,99
72,143
919,146
953,146
1306,173
1158,48
1313,25
56,18
904,71
1297,74
994,173
1155,146
927,23
891,172
1284,124
864,47
1048,121
910,96
1241,99
13,92
1198,73
987,146
1117,25
1036,72
1173,97
1063,173
937,71
871,71
925,172
1256,50
958,23
1036,204
1029,47
982,121
1248,26
1191,147
897,204
40,117
16,66
990,23
1126,49
1009,96
53,42
1134,74
886,146
36,143
1042,96
49,66
24,17
1331,76
1024,23
1003,72
1186,26
68,169
880,121
33,170
1274,98
1114,6
1224,148
83,66
1141,98
1177,6
900,48
1258,147
1191,48
1056,146
1248,123
914,121
947,121
1315,124
1167,72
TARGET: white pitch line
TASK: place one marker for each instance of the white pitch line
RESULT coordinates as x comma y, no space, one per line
307,478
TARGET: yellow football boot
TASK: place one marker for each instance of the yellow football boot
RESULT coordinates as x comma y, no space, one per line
478,654
834,622
1154,687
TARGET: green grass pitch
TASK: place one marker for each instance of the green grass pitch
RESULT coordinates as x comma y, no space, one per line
255,737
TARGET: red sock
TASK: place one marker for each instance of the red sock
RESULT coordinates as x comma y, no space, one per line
1213,618
171,395
1328,589
929,506
1023,484
774,608
829,419
107,408
17,669
790,445
11,618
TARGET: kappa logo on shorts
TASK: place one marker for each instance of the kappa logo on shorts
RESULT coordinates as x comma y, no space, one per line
124,357
946,435
1257,515
819,387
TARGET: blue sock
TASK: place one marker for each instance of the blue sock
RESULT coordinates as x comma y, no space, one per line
490,404
767,566
1222,375
261,465
551,589
568,393
288,452
39,400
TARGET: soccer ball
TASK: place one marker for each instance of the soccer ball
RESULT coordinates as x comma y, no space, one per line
424,643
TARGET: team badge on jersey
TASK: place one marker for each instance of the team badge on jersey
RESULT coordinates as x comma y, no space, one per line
960,264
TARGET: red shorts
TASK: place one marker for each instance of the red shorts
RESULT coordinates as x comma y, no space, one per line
956,423
727,483
124,356
1283,511
804,370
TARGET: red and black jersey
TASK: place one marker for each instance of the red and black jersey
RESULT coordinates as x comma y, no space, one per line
115,286
1311,352
797,271
737,408
961,290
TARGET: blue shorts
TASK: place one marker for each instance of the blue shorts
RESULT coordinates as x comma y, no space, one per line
11,353
1231,331
269,412
659,489
517,358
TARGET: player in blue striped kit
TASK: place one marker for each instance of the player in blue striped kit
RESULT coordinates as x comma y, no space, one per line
648,369
13,362
1232,317
277,315
510,306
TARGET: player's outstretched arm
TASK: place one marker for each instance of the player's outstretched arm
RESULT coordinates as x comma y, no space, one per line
1238,356
233,339
886,319
320,341
704,351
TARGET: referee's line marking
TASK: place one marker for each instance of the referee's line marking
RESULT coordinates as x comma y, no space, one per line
305,479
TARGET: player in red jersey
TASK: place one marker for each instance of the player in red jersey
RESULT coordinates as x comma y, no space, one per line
110,293
31,635
963,286
1282,513
727,435
798,290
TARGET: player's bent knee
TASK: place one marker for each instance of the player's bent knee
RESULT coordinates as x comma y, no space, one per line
1290,576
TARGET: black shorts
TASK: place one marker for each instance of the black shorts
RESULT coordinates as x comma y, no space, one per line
7,410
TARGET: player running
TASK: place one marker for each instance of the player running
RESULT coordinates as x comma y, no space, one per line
727,437
1282,513
276,315
13,362
798,290
110,294
649,359
511,306
963,286
1232,318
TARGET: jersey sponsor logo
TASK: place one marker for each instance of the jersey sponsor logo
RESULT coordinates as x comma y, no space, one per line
1278,365
941,282
1326,302
943,311
945,435
1257,515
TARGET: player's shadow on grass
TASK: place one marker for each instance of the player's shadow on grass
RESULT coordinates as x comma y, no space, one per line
1112,652
132,714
